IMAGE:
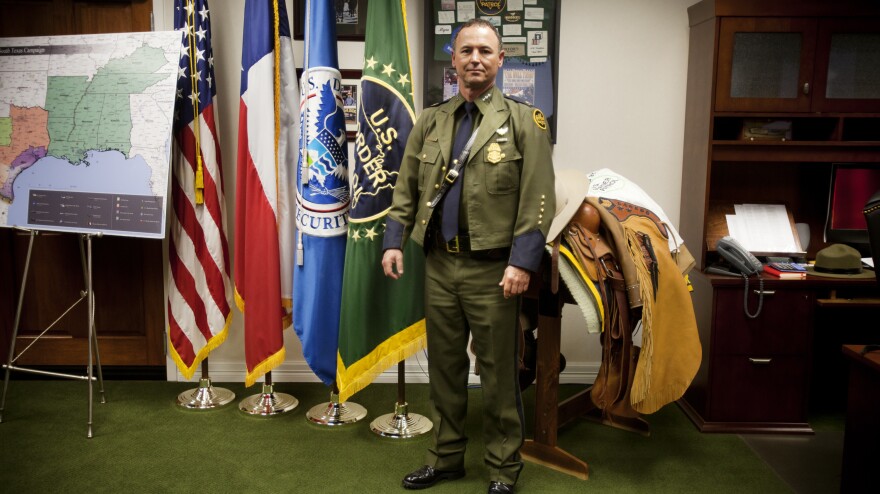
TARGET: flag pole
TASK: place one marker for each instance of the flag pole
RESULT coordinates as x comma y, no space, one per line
334,413
206,396
268,403
401,424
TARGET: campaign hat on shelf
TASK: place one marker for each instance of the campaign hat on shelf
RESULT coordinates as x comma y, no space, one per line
571,190
839,261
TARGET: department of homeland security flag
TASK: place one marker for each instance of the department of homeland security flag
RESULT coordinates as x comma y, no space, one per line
267,151
322,195
382,319
198,286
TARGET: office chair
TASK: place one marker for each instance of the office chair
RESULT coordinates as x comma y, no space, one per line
872,218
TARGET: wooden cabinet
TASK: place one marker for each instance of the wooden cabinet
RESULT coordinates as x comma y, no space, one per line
798,64
752,62
813,68
848,63
747,46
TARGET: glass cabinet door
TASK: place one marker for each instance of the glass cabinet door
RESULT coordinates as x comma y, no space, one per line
765,64
848,66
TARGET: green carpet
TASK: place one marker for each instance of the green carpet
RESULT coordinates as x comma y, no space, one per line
143,442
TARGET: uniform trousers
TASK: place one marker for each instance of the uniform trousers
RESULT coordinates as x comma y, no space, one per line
462,297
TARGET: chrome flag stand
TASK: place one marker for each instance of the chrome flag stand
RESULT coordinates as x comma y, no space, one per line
206,396
268,403
334,413
401,424
85,251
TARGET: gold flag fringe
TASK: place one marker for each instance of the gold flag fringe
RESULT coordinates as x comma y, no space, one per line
214,342
399,347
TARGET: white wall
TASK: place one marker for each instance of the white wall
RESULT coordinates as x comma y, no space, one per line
622,71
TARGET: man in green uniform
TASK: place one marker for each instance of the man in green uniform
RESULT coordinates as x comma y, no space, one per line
476,190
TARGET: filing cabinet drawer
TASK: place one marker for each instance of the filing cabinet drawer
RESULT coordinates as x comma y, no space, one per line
759,388
784,325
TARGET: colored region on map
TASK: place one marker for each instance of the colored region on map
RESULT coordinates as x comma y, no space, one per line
5,131
28,142
87,115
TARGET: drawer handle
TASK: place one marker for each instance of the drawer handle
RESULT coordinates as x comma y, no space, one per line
759,361
764,292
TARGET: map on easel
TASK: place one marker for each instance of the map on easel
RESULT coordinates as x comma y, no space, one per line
85,132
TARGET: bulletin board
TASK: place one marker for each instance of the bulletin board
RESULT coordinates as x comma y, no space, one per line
530,38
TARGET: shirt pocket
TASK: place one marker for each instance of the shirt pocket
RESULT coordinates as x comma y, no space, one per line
428,158
502,176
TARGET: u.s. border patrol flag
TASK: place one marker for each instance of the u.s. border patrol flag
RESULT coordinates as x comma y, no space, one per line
382,320
198,285
267,129
322,195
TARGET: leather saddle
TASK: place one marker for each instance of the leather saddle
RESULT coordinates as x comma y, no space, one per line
586,238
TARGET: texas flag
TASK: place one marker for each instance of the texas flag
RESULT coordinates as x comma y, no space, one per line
267,153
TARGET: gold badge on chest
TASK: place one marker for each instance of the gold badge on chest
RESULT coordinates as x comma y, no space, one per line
494,154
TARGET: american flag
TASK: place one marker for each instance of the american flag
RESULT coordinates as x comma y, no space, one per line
198,282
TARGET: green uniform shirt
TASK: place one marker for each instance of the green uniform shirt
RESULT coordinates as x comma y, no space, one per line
508,195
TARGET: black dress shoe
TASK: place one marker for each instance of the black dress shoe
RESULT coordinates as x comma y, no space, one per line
427,476
500,488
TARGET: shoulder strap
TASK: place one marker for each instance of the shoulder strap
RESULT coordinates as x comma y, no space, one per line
453,172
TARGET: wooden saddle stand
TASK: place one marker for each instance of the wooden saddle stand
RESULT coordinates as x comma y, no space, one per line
607,401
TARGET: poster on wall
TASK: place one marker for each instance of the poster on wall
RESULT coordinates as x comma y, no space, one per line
529,36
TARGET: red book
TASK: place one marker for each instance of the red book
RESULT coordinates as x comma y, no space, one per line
784,274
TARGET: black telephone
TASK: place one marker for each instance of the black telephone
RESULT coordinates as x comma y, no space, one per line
738,257
747,264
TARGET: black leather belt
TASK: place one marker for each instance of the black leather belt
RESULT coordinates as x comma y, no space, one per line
461,245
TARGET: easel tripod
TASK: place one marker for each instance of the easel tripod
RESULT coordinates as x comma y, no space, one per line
87,294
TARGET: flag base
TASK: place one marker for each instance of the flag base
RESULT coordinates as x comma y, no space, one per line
268,403
205,397
334,413
400,424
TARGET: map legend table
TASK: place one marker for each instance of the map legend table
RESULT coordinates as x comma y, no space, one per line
95,211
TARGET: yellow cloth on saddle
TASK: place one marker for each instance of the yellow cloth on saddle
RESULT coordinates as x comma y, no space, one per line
582,289
671,352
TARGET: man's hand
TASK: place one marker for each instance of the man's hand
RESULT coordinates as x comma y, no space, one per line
515,280
392,263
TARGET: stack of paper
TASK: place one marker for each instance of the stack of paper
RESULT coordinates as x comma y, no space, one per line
763,228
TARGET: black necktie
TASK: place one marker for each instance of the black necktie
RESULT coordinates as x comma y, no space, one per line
449,223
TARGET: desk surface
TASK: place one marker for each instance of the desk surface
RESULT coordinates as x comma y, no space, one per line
808,282
870,359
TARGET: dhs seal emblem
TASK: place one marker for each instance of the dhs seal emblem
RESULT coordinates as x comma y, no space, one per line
322,178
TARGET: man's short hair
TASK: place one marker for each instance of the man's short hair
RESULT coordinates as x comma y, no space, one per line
479,23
